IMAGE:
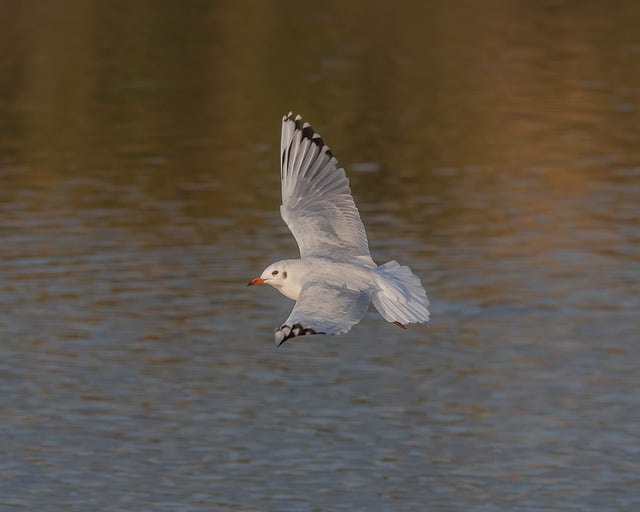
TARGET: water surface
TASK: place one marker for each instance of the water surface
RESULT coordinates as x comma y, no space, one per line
495,151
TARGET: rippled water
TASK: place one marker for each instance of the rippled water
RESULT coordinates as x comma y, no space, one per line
493,151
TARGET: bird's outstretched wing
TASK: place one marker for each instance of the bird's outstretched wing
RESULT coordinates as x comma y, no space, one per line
316,199
324,309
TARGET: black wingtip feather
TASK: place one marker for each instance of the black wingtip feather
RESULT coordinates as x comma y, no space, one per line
293,331
307,132
317,140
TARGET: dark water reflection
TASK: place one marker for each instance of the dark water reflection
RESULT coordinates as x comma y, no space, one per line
495,151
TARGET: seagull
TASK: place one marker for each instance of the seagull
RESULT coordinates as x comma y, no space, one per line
335,279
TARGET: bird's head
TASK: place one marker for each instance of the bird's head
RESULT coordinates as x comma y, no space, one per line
274,275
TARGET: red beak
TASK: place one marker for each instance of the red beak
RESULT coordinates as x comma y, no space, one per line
257,280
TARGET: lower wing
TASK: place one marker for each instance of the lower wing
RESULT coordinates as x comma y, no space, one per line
324,309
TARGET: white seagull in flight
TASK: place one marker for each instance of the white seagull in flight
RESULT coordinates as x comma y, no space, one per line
335,279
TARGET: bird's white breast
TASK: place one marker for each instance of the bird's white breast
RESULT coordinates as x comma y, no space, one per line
290,289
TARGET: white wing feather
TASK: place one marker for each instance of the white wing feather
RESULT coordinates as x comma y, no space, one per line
324,309
317,204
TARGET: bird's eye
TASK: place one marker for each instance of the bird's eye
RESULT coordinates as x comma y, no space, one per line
274,273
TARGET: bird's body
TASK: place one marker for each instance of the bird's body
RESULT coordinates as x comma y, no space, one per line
303,271
335,279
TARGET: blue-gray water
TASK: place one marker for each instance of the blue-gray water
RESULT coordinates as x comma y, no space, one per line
495,151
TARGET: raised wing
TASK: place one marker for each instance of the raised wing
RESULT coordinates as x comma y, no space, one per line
323,309
316,199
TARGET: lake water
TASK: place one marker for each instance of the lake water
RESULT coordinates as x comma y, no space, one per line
494,150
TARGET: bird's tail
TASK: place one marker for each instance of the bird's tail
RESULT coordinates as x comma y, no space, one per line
400,297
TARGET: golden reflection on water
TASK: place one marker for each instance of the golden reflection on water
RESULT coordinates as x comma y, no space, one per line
175,99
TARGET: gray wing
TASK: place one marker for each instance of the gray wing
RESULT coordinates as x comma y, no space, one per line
316,199
324,309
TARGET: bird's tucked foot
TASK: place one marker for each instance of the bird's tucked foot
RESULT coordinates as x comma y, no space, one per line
402,326
285,332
